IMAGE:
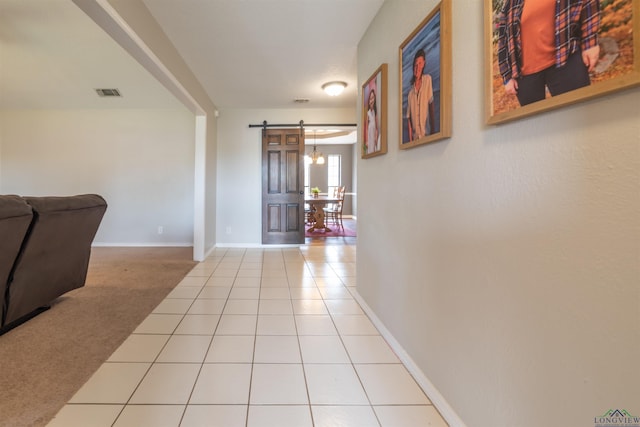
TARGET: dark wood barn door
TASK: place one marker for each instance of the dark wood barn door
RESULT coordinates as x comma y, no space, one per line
282,186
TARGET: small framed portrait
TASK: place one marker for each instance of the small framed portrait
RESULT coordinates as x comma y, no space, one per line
425,80
587,48
374,114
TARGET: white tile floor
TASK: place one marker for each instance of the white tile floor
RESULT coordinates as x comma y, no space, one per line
256,338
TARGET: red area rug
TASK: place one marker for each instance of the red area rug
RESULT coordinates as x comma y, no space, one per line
336,231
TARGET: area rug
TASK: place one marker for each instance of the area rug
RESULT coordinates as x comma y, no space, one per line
348,231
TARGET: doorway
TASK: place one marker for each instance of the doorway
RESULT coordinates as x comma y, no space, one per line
339,150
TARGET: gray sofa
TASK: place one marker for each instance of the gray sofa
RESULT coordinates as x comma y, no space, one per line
45,245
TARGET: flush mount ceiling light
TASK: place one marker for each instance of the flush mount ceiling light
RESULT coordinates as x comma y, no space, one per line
334,88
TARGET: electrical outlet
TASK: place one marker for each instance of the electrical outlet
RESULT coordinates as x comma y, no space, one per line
228,230
160,229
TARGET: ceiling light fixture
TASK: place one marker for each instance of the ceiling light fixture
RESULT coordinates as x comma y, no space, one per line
334,88
315,157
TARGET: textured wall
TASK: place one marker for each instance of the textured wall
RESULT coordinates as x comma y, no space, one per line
506,260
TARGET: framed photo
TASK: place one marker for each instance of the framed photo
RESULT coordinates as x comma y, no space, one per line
607,57
425,80
374,114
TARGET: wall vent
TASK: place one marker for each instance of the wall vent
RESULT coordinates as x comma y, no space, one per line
108,92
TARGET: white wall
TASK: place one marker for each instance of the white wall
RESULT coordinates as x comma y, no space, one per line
153,50
506,260
140,161
239,208
211,171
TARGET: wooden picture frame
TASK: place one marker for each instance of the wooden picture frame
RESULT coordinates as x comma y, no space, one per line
618,66
374,114
431,41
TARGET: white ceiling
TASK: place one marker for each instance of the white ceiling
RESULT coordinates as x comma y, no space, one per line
245,53
52,56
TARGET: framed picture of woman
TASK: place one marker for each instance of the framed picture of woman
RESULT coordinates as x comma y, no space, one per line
544,55
425,80
374,114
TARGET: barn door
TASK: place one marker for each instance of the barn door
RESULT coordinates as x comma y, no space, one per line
282,186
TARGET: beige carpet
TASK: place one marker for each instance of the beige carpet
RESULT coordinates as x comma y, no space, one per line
46,360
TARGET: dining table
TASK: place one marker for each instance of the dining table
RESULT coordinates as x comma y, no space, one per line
317,203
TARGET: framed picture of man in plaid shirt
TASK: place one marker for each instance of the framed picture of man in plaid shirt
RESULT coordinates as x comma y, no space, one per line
545,54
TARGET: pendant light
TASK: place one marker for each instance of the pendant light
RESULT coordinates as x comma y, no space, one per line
315,157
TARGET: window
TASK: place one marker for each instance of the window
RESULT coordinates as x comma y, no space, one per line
334,171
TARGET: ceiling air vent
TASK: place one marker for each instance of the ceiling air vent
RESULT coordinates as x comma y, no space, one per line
108,92
301,100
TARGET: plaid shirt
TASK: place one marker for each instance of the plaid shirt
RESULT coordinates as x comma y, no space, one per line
576,26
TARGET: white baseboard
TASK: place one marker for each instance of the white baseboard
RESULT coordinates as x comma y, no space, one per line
141,245
255,245
430,390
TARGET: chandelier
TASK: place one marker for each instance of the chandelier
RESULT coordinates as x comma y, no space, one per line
315,157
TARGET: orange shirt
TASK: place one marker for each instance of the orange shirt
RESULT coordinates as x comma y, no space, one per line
538,38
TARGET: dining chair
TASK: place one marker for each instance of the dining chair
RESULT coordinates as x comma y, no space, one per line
333,211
